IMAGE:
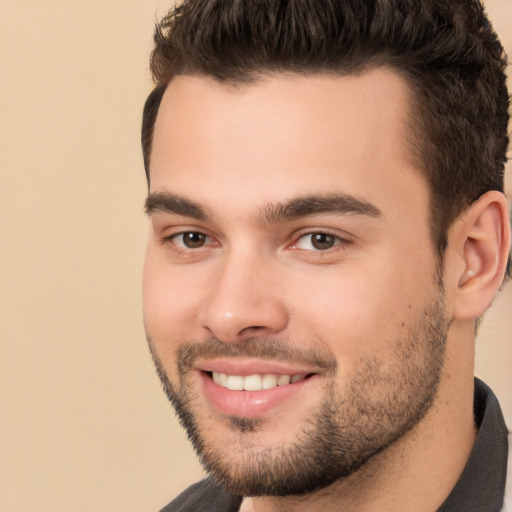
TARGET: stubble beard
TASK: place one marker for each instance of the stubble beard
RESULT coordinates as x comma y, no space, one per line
349,427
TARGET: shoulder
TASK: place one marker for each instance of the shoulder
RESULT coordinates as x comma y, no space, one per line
204,495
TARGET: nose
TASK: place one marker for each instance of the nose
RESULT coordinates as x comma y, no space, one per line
244,300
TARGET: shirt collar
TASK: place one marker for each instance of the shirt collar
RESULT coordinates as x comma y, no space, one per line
481,485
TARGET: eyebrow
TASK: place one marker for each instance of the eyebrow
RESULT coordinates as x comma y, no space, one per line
303,206
166,202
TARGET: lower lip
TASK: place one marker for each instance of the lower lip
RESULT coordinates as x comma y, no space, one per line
249,404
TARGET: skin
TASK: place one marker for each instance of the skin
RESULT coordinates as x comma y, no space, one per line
232,152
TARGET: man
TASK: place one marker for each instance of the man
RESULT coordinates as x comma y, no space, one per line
327,225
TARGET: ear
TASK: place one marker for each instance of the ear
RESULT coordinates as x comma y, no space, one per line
480,239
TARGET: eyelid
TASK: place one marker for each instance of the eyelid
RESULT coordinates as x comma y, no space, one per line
339,239
181,236
210,241
171,239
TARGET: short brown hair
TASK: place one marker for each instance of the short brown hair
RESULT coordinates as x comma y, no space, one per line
446,49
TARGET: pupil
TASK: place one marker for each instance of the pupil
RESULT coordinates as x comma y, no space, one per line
322,241
193,240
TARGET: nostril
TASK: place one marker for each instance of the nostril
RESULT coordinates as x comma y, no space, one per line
252,328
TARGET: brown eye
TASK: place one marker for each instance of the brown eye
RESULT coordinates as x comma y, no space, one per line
322,241
317,241
191,239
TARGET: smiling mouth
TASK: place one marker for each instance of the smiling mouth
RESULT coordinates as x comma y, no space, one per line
255,382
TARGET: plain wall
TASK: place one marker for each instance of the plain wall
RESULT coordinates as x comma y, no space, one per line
84,425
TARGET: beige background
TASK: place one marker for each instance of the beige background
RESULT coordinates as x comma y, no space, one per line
84,425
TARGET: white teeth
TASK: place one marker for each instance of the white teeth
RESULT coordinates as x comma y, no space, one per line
254,382
223,380
283,380
235,383
269,381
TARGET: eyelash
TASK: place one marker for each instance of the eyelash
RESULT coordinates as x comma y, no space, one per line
181,247
337,241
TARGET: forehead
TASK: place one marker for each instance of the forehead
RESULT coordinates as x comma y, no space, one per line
284,136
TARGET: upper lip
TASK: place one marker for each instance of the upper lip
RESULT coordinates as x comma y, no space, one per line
244,367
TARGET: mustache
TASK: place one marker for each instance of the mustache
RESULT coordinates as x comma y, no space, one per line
253,348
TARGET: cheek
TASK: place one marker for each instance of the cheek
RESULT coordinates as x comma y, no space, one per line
355,314
170,306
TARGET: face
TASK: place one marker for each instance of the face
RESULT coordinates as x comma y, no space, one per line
292,298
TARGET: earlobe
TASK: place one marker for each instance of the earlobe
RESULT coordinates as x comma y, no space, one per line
482,237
